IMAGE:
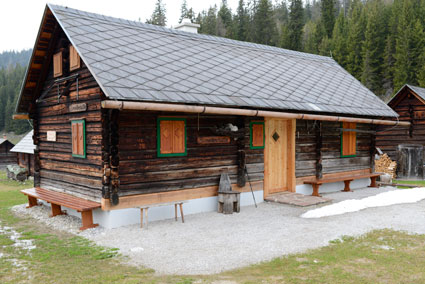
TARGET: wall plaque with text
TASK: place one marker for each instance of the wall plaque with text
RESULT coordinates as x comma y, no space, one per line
78,107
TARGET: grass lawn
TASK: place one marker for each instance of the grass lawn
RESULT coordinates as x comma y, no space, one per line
383,256
415,182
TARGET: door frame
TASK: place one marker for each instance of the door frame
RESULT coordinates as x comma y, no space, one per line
290,149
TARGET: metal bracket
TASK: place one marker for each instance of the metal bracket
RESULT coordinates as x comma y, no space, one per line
57,83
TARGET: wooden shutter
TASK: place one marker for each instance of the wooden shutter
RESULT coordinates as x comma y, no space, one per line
74,138
57,64
172,137
166,127
258,135
74,58
348,139
178,137
78,139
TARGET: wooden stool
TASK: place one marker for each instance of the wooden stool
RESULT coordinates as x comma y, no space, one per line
144,209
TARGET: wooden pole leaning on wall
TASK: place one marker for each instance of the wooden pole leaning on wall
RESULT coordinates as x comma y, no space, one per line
109,104
319,144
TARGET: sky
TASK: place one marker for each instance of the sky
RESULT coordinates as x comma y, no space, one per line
20,19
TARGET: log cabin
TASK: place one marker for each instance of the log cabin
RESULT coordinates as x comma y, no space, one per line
409,104
6,157
127,114
24,151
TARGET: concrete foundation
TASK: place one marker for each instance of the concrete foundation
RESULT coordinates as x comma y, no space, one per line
118,218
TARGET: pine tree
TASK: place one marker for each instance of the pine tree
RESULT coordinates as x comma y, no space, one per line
241,21
356,29
186,13
417,48
403,70
224,20
373,48
158,16
339,40
264,28
309,37
183,11
421,71
209,21
296,24
328,16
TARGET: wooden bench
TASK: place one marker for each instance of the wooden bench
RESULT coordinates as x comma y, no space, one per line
145,209
58,199
346,179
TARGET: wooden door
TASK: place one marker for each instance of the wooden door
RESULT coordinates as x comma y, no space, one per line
279,156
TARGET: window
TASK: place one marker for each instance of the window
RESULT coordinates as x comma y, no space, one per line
57,64
171,136
78,138
74,58
256,129
348,140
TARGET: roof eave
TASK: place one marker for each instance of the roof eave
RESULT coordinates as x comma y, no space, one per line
30,61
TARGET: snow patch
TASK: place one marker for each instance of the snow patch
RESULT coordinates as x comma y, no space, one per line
16,238
399,196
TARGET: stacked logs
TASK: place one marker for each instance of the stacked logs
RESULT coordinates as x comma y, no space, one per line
385,165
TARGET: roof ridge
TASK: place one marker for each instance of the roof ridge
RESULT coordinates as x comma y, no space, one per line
197,36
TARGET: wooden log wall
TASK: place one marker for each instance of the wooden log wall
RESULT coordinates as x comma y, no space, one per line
26,160
141,171
310,156
7,157
57,168
410,109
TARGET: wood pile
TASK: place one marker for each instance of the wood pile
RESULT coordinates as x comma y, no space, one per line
385,165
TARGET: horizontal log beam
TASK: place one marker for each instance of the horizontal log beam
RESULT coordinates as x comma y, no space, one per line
21,116
109,104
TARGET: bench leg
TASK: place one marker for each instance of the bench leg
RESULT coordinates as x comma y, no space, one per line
56,210
175,211
181,212
87,220
141,217
32,201
316,190
373,182
347,186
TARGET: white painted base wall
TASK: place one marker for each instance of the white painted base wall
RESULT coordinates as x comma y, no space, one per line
118,218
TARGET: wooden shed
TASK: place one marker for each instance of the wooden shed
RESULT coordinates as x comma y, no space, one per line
6,157
409,103
24,150
128,114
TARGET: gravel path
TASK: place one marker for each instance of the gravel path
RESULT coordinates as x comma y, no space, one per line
210,242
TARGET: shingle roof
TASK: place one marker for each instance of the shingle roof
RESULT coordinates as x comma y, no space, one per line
140,62
26,145
418,90
2,140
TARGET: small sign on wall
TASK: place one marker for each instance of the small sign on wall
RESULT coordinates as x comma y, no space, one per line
78,107
51,135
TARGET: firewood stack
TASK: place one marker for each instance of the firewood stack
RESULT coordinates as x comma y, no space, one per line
385,165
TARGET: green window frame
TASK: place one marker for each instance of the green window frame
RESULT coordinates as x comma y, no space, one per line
84,138
158,133
251,124
342,143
